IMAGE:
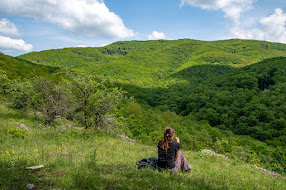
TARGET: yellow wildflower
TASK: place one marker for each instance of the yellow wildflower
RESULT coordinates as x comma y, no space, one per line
59,150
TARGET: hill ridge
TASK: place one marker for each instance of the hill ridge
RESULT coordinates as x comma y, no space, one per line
136,61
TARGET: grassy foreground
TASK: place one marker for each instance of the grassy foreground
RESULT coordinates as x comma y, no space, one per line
79,159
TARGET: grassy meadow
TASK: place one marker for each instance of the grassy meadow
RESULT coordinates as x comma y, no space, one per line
78,159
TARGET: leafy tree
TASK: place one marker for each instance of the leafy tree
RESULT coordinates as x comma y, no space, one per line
133,110
3,82
93,99
44,95
22,94
54,99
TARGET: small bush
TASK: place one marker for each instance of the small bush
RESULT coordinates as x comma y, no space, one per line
15,132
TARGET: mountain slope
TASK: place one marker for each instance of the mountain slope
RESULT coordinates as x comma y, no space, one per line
20,68
150,63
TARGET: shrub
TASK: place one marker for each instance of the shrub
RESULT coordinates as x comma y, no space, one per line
15,132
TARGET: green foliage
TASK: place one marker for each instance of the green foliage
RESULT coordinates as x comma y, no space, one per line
16,79
4,81
54,100
20,68
22,93
42,95
81,97
15,132
248,101
93,98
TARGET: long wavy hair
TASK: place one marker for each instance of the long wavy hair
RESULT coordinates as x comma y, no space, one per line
169,133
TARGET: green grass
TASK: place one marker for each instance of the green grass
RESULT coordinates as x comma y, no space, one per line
79,159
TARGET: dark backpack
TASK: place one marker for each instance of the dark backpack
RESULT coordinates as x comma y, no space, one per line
150,162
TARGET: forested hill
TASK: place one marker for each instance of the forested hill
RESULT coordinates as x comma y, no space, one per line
250,100
151,63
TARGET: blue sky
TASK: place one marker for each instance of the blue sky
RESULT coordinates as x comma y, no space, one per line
36,25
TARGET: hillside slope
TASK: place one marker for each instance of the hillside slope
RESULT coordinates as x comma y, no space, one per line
150,63
20,68
76,159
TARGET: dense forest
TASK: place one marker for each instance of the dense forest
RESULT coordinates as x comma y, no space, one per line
227,95
248,100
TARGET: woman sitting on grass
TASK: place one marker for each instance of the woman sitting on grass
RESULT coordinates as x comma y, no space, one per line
169,154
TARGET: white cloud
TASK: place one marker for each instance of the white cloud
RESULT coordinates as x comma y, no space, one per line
7,43
271,28
207,4
232,8
274,26
66,39
82,45
7,28
241,33
156,35
89,17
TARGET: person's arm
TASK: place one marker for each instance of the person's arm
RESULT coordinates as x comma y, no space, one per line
177,152
177,139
